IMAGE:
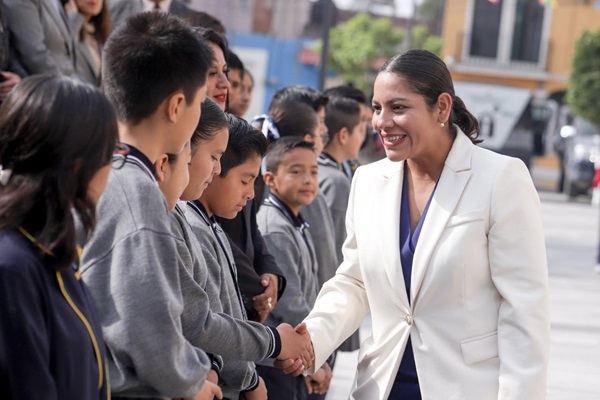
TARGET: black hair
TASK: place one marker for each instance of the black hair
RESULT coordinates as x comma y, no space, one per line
245,141
315,99
294,118
347,91
278,150
101,23
55,134
234,62
205,20
427,75
149,57
212,120
342,112
213,37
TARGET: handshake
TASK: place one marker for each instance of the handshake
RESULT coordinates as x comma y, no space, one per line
297,354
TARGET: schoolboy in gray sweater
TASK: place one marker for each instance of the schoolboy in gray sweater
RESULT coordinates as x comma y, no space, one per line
292,180
154,72
224,196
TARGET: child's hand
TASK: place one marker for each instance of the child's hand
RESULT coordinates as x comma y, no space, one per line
296,344
320,380
264,303
260,393
208,392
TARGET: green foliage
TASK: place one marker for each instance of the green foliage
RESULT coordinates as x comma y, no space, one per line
423,40
430,9
357,44
583,93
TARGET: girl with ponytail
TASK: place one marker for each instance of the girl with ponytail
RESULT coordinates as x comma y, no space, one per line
445,249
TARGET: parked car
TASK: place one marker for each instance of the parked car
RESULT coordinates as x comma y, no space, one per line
581,144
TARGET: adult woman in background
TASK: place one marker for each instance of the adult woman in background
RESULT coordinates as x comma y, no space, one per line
91,33
217,84
51,342
445,248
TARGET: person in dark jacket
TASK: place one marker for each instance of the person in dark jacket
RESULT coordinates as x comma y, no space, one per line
51,344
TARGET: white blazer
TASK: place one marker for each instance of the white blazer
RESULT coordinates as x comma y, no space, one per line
478,315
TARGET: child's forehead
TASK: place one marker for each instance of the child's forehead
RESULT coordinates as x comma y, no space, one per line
299,156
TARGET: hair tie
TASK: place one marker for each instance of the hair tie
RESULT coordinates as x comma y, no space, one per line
5,174
269,127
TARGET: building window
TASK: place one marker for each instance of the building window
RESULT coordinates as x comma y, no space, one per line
507,32
486,28
527,36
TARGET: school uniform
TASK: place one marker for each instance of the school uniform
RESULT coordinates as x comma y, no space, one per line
289,239
132,268
334,185
223,293
252,258
46,350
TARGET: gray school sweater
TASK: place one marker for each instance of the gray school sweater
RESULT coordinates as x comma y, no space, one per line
296,259
130,266
323,233
216,333
334,185
223,293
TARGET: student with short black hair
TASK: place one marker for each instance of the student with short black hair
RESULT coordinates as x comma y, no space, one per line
50,332
154,73
225,196
346,135
236,79
353,93
291,176
283,110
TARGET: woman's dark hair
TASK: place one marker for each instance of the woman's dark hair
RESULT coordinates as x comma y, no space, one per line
212,120
102,24
245,141
294,118
204,20
427,75
213,37
55,134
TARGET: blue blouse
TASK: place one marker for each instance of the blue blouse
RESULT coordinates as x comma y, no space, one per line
406,384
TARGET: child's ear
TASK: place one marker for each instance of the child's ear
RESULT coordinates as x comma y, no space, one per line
161,166
175,104
269,179
343,135
308,138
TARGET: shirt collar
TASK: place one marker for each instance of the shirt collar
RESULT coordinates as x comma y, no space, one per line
297,220
326,159
139,158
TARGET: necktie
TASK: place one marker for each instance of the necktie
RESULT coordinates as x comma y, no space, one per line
156,4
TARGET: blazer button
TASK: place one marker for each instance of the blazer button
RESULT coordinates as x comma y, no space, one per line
408,319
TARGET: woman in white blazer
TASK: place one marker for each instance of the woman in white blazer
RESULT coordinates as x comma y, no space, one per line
463,313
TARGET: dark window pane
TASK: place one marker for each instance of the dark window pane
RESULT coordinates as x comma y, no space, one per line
529,18
486,28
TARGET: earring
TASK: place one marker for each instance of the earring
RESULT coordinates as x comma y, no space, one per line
442,124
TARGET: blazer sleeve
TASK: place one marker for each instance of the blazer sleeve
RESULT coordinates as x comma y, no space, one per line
330,323
517,257
23,17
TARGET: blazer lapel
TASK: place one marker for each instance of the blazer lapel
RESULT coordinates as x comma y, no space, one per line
389,215
454,178
60,19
